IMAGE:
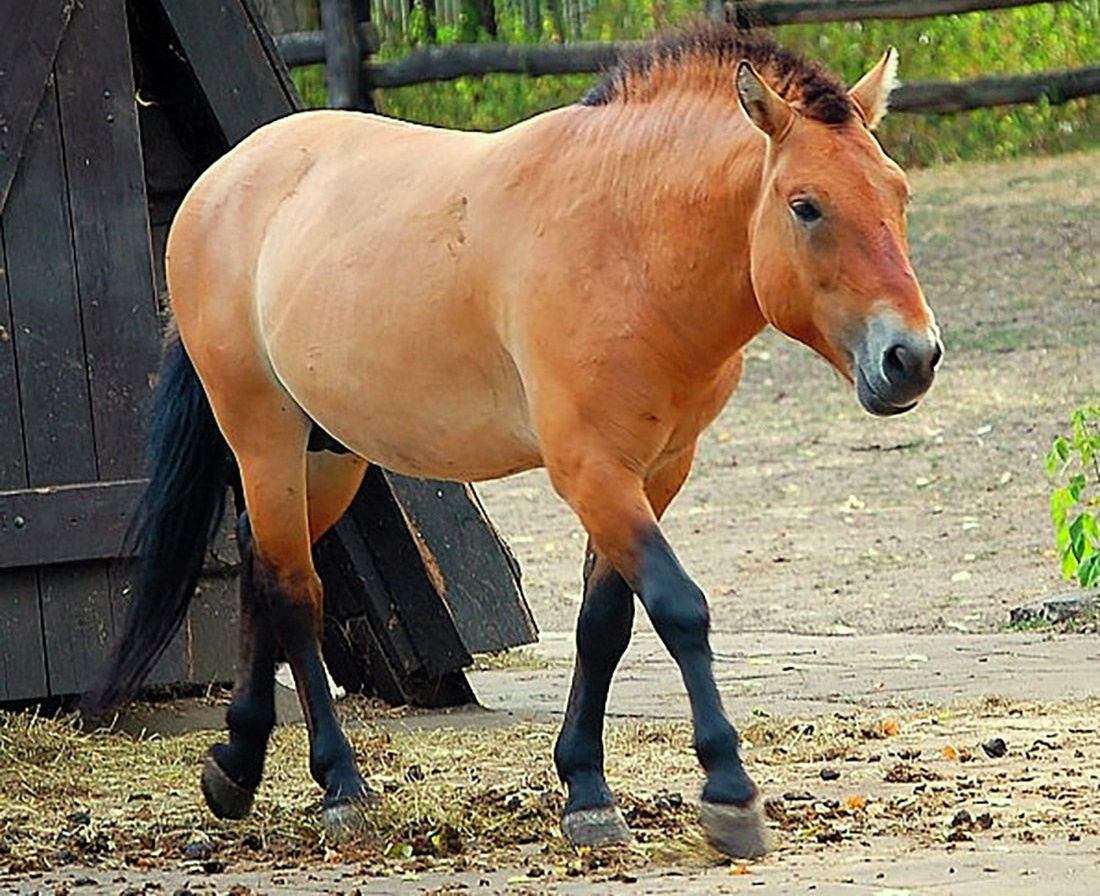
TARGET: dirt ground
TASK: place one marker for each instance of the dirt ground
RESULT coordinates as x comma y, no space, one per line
805,514
860,572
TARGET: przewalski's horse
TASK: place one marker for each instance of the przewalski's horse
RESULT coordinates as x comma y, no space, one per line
573,292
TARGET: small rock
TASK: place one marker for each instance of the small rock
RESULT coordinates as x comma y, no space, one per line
984,821
995,748
775,810
962,817
829,774
198,850
1070,605
79,818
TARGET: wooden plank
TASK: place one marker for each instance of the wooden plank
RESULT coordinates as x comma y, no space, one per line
230,63
308,47
111,242
354,587
46,325
77,623
271,51
65,523
76,620
944,97
114,266
163,77
13,461
29,37
342,54
477,576
168,169
212,631
784,12
23,657
380,520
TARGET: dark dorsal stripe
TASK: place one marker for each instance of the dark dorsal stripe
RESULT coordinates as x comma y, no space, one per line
817,92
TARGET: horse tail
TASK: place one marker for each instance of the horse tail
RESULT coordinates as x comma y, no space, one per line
189,466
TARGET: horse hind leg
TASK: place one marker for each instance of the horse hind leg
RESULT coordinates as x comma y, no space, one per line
233,770
269,437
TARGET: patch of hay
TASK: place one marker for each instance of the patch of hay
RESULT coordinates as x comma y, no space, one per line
471,797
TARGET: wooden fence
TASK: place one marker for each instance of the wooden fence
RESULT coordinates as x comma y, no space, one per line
346,45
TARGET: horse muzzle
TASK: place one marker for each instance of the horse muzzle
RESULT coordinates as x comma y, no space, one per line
894,366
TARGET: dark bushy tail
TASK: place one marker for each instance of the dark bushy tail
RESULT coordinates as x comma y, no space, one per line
189,467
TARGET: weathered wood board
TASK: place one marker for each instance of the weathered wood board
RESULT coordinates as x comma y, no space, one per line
114,109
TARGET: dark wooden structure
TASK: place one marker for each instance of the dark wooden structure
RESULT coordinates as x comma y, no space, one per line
108,112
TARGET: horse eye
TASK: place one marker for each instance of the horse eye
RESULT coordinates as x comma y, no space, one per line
806,211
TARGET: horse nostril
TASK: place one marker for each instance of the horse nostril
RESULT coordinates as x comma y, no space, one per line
896,363
937,354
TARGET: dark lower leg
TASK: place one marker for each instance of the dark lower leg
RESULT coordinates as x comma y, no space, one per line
679,613
295,617
251,714
603,631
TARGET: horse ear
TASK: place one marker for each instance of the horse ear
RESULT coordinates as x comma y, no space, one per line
765,108
871,93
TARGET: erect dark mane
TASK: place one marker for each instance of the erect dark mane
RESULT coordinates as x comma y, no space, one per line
718,47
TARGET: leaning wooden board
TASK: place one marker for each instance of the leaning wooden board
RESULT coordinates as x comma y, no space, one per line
132,101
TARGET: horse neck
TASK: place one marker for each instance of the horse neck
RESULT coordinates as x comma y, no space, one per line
685,177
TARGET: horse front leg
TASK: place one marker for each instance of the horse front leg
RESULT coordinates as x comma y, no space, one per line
679,612
618,512
233,770
591,817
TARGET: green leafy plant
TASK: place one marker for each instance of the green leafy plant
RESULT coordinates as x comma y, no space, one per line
1073,464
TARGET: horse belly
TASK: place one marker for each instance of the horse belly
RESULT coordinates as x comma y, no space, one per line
423,411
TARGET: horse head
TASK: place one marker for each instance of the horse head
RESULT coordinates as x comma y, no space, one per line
829,250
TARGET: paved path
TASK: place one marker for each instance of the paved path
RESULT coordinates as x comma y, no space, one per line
810,675
883,870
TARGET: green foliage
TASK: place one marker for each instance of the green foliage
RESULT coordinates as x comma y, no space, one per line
1032,38
1073,464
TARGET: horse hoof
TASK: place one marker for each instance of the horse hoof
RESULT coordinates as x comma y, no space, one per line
225,797
737,831
604,826
346,820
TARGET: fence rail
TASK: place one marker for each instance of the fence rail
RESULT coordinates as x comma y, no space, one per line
445,63
789,12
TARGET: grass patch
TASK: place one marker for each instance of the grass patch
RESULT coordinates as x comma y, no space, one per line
516,659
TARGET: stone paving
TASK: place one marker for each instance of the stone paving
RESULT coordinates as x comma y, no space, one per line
787,674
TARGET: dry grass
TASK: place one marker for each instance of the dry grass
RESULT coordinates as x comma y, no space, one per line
469,798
